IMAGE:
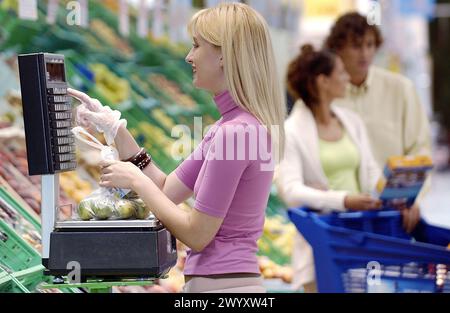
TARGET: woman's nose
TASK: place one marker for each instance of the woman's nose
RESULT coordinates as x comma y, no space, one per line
188,58
346,77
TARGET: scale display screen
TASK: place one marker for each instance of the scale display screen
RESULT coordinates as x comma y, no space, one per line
55,72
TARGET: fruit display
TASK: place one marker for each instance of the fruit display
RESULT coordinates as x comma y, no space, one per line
162,118
4,185
14,169
21,227
270,270
278,239
12,103
175,280
23,186
112,87
159,137
17,222
107,34
75,187
172,90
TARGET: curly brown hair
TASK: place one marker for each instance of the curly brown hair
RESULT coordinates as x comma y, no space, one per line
351,27
303,72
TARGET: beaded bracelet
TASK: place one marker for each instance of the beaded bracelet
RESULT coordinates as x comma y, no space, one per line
144,162
134,157
140,159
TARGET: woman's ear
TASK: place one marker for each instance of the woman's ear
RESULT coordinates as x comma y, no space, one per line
321,81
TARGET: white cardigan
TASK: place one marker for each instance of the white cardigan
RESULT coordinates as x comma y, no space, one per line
302,167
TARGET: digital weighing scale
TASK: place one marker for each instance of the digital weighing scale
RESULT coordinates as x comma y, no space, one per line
108,249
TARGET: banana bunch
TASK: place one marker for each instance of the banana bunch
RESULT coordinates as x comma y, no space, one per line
112,87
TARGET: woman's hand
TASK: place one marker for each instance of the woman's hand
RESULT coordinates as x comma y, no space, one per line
91,104
119,174
411,217
91,113
361,202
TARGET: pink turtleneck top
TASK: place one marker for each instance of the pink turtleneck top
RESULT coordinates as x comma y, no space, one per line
230,173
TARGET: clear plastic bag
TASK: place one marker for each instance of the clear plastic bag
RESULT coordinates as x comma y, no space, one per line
108,203
103,205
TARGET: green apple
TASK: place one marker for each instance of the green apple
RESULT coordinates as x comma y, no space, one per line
131,195
103,210
85,210
142,211
125,209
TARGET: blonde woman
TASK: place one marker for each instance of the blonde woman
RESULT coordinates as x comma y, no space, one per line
232,57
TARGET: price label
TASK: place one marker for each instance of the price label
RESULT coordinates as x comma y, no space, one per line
52,10
28,9
124,20
158,26
142,27
84,13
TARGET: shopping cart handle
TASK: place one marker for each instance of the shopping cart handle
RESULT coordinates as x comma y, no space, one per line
303,211
305,221
358,238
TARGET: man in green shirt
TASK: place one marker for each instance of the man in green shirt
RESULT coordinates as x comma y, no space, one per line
387,102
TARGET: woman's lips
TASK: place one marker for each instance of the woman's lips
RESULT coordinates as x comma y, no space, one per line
363,64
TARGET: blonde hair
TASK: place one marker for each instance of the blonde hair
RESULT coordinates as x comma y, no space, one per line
249,61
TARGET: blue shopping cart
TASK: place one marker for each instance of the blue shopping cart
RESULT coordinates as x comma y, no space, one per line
370,252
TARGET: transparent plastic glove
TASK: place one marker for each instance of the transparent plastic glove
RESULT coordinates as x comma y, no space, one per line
107,121
92,113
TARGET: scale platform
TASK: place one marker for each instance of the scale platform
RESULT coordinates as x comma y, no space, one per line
111,248
151,223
